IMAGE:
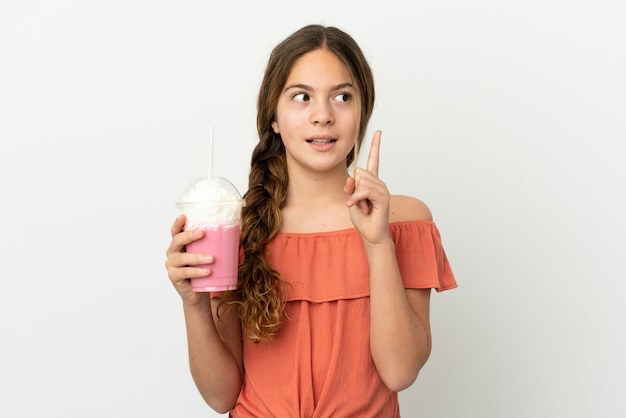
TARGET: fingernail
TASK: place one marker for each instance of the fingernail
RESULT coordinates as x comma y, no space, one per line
197,233
208,258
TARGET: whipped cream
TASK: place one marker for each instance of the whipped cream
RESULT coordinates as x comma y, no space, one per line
209,202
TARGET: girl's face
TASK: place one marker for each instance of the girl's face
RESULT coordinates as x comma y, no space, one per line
318,112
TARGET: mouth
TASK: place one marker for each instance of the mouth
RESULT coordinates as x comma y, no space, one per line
321,141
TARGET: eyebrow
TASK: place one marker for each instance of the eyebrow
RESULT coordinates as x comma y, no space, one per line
309,88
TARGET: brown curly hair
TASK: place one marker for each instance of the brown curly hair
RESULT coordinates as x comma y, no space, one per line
260,296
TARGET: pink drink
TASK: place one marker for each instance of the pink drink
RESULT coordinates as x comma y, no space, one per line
222,242
213,205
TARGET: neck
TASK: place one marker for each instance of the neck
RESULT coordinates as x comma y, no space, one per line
316,188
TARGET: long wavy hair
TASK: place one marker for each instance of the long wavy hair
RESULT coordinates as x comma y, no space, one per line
261,292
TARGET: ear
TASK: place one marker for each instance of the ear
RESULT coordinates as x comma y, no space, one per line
275,127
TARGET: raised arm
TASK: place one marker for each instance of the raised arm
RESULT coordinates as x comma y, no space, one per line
400,336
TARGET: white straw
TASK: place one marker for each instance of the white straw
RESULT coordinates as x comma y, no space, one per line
211,147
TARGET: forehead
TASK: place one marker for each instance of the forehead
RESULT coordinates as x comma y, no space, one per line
320,66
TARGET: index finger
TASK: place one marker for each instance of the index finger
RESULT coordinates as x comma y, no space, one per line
373,156
178,225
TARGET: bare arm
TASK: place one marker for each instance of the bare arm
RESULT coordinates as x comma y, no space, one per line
215,353
400,337
214,345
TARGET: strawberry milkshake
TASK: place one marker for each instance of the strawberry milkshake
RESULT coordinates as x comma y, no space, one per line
213,205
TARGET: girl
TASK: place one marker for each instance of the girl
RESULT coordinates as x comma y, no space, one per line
331,313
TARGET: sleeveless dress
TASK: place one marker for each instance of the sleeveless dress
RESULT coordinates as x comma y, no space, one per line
320,365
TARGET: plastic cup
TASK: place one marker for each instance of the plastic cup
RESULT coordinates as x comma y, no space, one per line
213,205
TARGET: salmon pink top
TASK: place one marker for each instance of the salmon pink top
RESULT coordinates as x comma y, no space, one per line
319,364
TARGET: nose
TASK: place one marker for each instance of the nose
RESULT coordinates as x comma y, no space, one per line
322,113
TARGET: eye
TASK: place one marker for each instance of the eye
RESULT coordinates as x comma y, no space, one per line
300,97
343,97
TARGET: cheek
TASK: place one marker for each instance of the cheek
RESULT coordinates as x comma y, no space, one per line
356,123
292,125
355,116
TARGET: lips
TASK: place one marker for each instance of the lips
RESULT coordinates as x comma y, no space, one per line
321,143
321,139
318,141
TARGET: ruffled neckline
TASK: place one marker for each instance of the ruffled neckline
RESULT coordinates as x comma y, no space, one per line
349,231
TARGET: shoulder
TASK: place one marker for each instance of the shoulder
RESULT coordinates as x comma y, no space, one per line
407,208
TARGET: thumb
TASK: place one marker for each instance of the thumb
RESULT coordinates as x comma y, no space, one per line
349,186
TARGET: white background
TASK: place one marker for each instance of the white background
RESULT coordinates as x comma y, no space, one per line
506,117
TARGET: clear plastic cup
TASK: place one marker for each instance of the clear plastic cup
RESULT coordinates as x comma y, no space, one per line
213,205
